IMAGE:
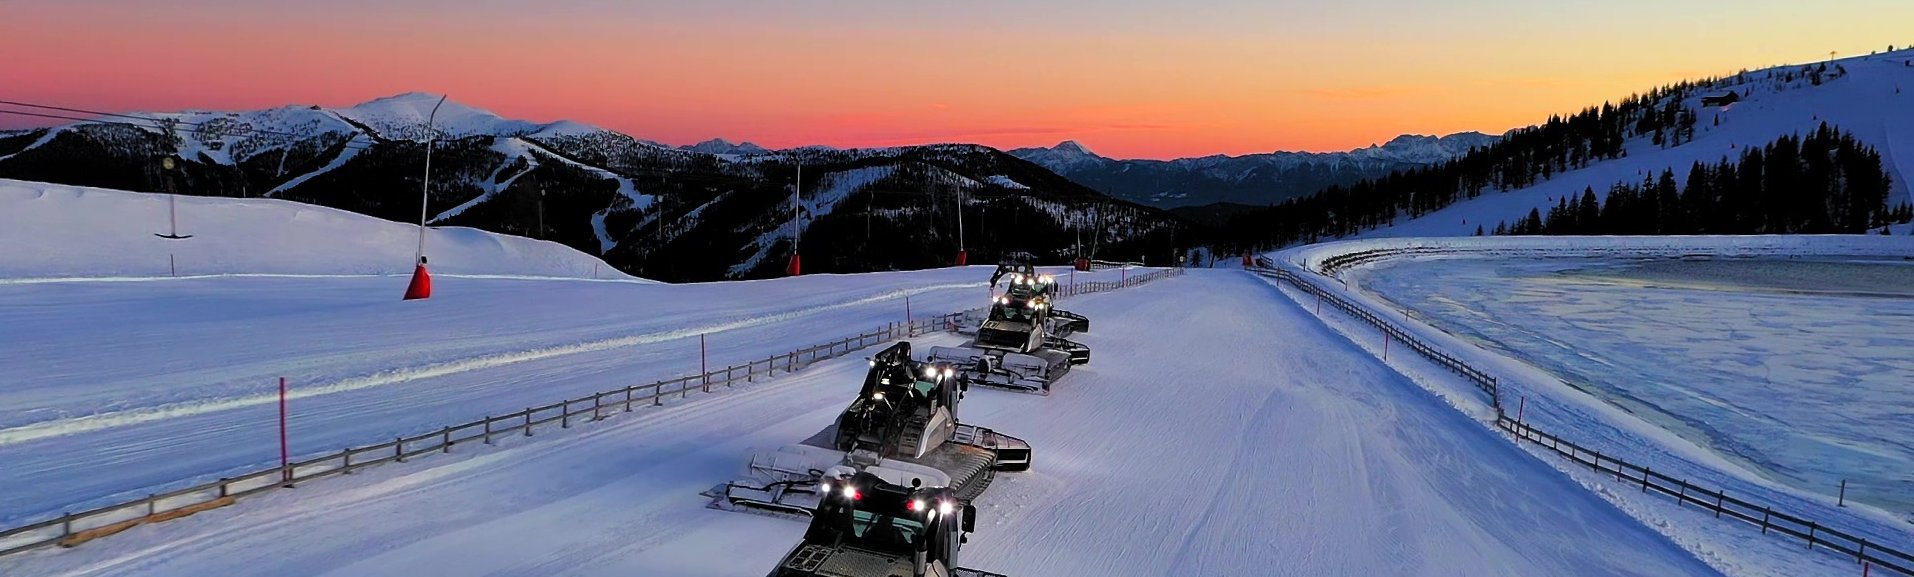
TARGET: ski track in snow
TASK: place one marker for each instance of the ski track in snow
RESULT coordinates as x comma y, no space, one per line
1247,434
41,430
344,156
177,388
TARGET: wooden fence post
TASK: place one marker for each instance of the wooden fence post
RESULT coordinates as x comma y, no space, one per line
488,429
445,439
528,421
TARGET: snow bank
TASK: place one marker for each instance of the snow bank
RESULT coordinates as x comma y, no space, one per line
54,231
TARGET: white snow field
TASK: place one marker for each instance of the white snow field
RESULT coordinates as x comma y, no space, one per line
1556,341
1231,434
118,386
50,232
1873,102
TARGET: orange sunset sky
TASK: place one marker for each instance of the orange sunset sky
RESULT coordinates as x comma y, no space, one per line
1153,79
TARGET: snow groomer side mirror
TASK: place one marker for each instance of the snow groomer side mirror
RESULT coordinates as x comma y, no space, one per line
970,518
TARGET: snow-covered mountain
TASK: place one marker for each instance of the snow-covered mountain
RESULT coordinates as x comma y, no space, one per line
1626,142
722,146
1254,179
1871,97
713,210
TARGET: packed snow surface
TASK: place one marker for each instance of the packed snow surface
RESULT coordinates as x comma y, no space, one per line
1228,435
1796,368
121,379
50,231
122,387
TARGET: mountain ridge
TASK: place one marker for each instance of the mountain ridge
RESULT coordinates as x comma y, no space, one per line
1249,179
649,209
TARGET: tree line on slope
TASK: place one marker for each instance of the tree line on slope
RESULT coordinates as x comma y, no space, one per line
1522,158
1827,182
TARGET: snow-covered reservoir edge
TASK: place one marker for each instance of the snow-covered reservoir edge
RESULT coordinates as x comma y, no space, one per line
1554,405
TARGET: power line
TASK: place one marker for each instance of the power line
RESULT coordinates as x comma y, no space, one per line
351,142
158,121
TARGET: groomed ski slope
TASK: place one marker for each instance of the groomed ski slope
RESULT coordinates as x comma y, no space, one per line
1221,430
123,388
117,379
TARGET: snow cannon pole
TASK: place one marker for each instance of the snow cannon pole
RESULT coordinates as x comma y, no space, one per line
421,285
285,452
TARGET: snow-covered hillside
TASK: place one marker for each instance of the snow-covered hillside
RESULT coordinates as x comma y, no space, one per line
54,231
1874,100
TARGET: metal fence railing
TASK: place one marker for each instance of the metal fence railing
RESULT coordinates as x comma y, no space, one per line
71,529
1716,501
1482,380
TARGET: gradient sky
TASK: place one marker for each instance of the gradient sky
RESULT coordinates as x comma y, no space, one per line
1128,78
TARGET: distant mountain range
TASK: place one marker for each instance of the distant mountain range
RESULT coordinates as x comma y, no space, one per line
713,210
722,146
1252,179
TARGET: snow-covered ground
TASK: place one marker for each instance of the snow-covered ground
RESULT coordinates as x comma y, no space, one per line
1227,435
118,385
1554,405
122,387
51,231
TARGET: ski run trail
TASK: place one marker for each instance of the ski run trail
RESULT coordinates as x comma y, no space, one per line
1220,430
118,389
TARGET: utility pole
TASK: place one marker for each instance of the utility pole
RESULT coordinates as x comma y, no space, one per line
963,255
797,204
